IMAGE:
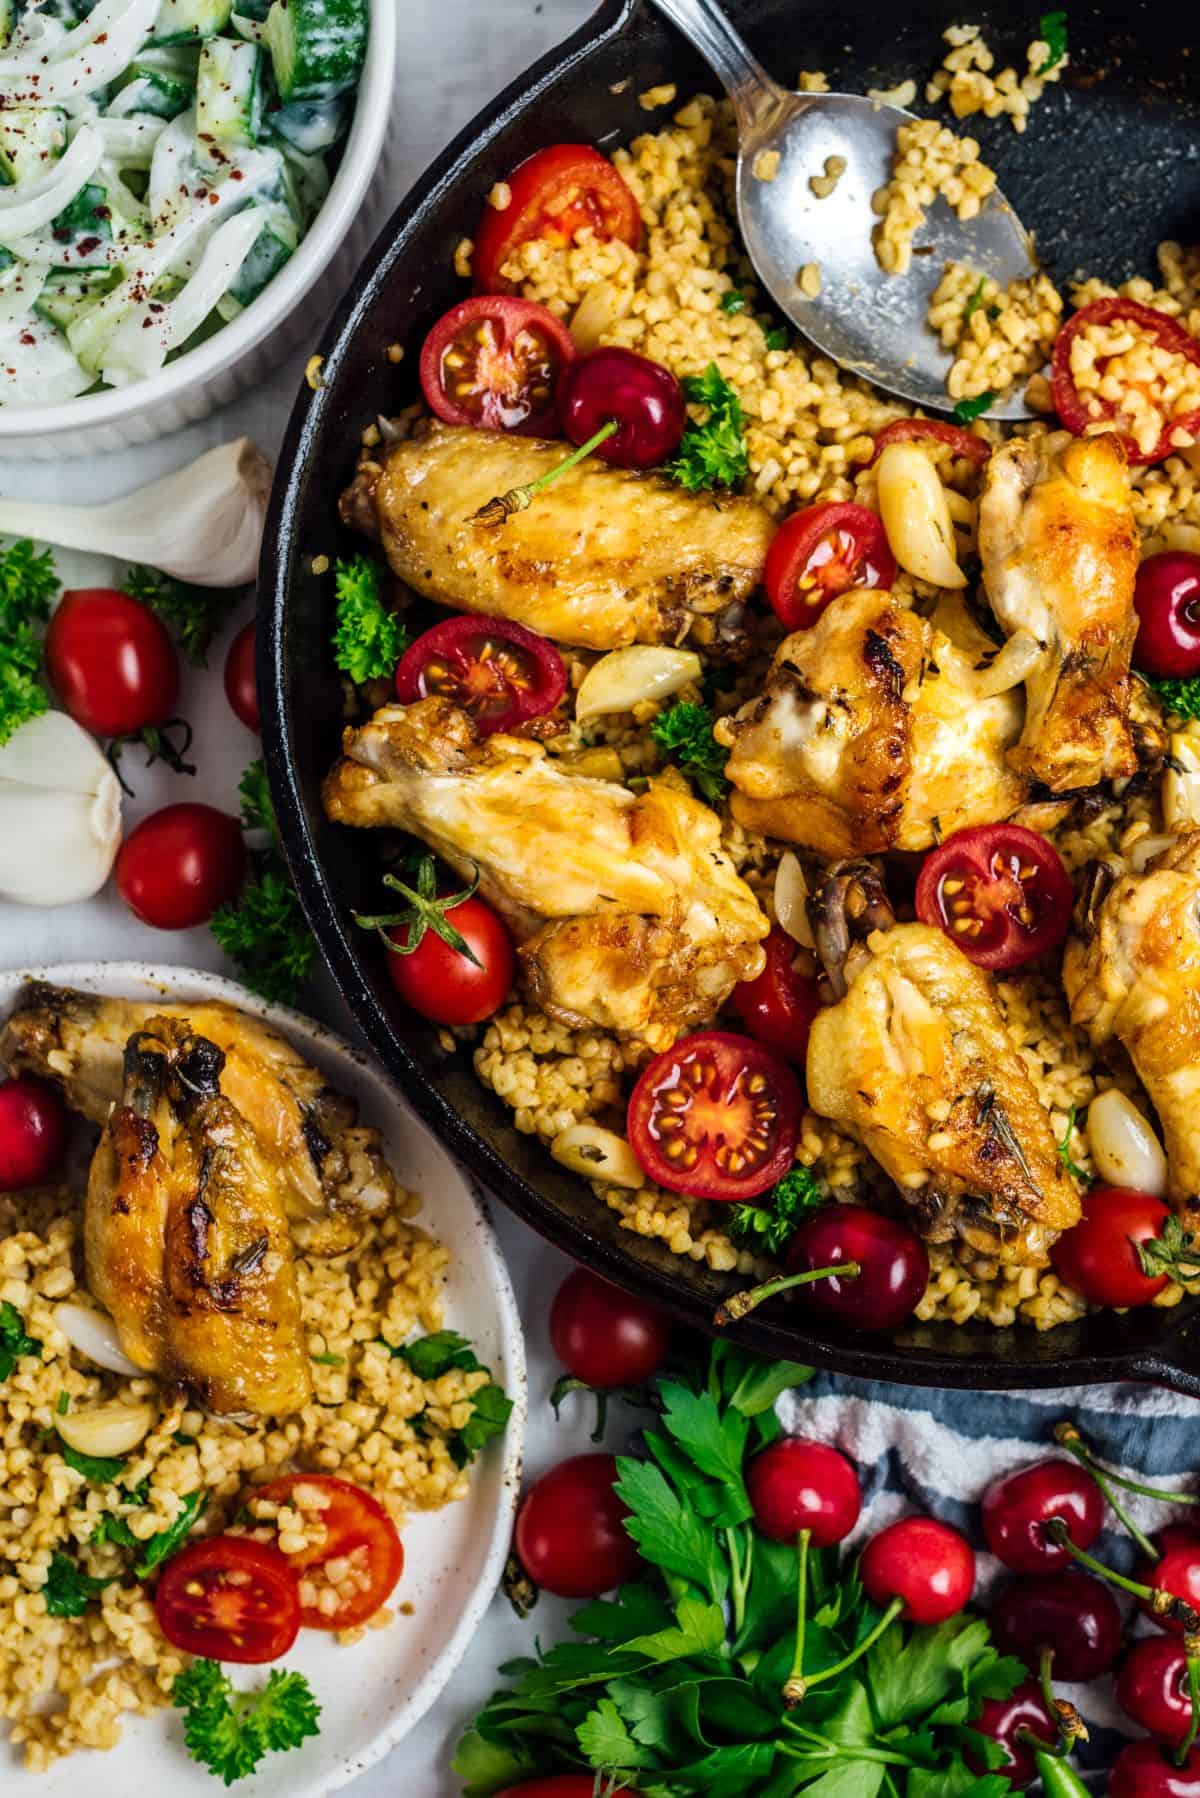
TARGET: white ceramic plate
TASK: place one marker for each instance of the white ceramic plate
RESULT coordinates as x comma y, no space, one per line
371,1694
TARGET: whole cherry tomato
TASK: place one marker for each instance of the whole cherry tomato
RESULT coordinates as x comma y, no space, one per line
999,891
642,398
778,1007
1167,602
925,1563
1018,1506
892,1260
1099,1257
570,1535
241,685
554,193
33,1131
111,662
795,1485
495,362
822,552
442,983
229,1598
563,1785
606,1337
180,864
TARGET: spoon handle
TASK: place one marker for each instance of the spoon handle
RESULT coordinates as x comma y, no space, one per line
743,77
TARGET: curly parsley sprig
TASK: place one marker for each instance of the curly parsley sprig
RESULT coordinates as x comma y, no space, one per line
769,1226
712,454
368,638
264,931
28,585
231,1732
685,733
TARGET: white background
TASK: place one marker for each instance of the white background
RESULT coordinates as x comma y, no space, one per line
454,56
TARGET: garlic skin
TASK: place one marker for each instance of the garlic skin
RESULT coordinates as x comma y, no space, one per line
204,523
60,813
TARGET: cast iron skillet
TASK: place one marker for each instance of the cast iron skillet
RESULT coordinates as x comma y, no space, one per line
1105,171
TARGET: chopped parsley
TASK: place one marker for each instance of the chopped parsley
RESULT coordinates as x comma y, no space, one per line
976,299
712,454
263,931
68,1589
230,1732
28,584
1064,1151
64,1403
432,1356
967,411
1052,30
777,338
769,1226
684,733
1179,695
162,1545
733,302
368,638
194,613
14,1343
328,1360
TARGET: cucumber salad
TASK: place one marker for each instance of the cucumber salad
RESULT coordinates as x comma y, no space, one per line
160,161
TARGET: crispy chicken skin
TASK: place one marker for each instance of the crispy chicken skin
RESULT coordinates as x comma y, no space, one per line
603,558
1133,972
628,914
186,1235
863,742
1060,555
919,1028
332,1168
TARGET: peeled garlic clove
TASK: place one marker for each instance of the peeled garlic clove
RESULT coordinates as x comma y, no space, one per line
1007,668
1125,1150
598,1154
60,813
94,1334
1181,783
596,314
625,677
916,515
105,1430
791,900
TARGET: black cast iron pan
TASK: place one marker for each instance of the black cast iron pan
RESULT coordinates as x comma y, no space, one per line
1107,168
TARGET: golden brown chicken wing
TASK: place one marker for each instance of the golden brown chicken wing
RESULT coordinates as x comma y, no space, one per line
1060,555
873,732
628,913
186,1234
603,558
1132,972
914,1062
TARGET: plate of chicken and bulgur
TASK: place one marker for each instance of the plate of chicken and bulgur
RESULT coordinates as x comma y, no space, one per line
261,1392
815,782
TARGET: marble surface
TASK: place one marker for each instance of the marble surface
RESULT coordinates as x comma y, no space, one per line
454,56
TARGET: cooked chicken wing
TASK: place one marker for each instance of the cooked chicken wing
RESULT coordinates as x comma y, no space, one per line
186,1234
1060,555
1133,972
871,733
602,558
333,1168
628,913
914,1061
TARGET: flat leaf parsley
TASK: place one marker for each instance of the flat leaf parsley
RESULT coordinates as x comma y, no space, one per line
28,584
14,1343
368,639
967,411
230,1732
712,454
432,1356
684,732
263,930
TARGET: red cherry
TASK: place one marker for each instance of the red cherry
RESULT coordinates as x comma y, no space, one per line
799,1485
1017,1508
1001,1718
1152,1688
33,1131
1070,1612
893,1261
1143,1771
643,397
1167,602
1177,1571
924,1562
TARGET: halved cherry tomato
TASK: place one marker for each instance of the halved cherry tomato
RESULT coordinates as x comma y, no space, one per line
553,194
229,1599
495,362
821,552
778,1008
357,1529
497,670
999,891
1077,416
906,430
716,1117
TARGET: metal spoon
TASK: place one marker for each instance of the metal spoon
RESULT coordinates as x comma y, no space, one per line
872,323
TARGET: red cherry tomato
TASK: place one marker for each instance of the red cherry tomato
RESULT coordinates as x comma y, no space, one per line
779,1006
33,1131
229,1599
1167,333
606,1337
1070,1612
1152,1688
553,194
1002,1719
562,1785
1167,602
241,685
641,397
570,1535
799,1485
892,1259
908,430
1143,1771
442,983
1099,1256
924,1562
716,1117
1176,1571
178,865
999,891
496,362
1017,1508
821,552
111,662
498,671
357,1529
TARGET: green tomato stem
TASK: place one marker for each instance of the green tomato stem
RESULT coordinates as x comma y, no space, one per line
517,499
742,1303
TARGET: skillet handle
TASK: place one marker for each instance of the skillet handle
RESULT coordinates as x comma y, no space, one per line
1176,1364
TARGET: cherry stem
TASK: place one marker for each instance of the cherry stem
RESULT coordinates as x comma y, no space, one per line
517,499
1161,1602
1045,1672
1029,1739
1067,1434
1192,1645
742,1303
796,1688
1069,1438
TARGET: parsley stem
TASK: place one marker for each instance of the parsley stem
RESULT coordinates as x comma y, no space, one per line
794,1686
742,1303
1162,1603
517,499
883,1757
1192,1645
1067,1436
739,1575
799,1687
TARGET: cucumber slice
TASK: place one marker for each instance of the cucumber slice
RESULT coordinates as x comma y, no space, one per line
183,21
31,137
311,126
159,96
66,293
89,216
274,245
252,9
8,18
317,46
229,92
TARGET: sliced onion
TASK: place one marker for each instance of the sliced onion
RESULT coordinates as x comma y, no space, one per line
24,209
627,676
598,1154
87,58
94,1334
107,1429
791,900
1007,668
1181,784
1125,1150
